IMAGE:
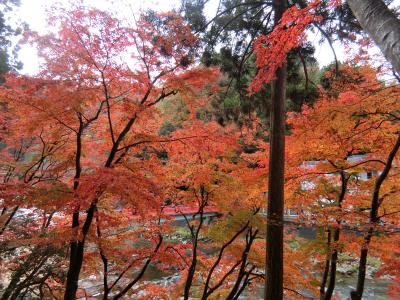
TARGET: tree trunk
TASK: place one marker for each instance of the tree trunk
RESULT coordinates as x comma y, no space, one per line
362,268
326,268
274,239
381,25
71,285
76,265
332,270
336,236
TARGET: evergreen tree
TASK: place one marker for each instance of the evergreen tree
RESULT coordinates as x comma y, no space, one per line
8,52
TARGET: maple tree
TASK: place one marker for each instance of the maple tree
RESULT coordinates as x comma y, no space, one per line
87,94
116,148
350,132
89,153
208,179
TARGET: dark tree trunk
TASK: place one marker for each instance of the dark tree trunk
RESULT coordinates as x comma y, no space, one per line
362,267
332,270
73,272
274,239
195,232
381,25
76,265
192,268
326,267
336,236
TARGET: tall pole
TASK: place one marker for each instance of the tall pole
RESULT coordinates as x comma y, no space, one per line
274,239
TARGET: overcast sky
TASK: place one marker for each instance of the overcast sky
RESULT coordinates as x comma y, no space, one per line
33,12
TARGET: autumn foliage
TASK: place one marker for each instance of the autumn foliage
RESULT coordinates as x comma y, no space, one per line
272,49
115,186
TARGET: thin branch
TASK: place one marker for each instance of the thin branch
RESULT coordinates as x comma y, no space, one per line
141,273
325,34
256,3
220,257
298,293
389,213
